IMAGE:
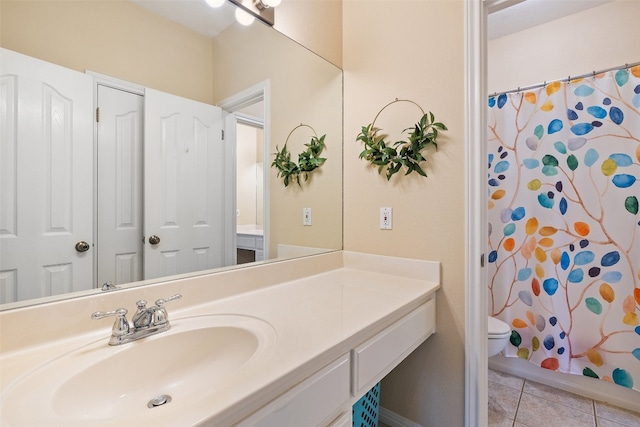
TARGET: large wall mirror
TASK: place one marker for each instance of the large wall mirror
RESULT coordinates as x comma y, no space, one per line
173,178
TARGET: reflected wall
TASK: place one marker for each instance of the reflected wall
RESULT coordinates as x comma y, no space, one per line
293,102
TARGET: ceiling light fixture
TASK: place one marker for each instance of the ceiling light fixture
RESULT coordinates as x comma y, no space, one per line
215,3
261,9
266,4
243,17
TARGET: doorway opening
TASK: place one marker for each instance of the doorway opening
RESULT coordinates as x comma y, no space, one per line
249,187
247,151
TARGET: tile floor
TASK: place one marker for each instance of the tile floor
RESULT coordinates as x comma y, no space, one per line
514,402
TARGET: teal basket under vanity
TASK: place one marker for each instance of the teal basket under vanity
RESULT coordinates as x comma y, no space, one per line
365,411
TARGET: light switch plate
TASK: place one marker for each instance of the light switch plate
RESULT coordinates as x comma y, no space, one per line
386,218
306,216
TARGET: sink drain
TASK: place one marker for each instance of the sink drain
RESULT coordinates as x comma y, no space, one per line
159,401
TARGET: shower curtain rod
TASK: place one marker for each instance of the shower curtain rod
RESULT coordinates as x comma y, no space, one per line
569,78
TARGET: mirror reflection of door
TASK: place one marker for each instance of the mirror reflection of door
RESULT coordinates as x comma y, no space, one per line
75,212
46,237
249,188
119,230
183,185
168,219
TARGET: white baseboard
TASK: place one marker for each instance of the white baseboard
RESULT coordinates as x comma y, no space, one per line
392,419
587,387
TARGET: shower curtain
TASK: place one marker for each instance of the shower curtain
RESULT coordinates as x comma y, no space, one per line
564,229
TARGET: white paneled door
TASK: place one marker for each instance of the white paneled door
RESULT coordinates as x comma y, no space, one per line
119,230
46,181
184,185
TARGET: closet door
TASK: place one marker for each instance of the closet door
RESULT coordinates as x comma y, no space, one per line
184,185
119,176
46,155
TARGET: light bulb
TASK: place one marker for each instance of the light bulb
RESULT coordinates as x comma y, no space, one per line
272,3
244,18
215,3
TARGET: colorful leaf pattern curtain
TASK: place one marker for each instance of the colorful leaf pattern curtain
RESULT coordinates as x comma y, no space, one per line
564,229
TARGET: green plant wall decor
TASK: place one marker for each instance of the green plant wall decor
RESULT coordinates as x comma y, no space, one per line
308,160
392,157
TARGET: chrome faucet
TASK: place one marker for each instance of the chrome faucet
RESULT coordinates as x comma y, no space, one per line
146,321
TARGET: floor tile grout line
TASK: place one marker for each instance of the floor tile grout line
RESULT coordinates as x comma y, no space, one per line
515,416
522,392
549,399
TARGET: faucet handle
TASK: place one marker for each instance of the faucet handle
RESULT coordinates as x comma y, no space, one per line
120,326
102,314
160,316
161,302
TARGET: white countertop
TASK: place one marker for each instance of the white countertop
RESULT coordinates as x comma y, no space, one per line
250,229
316,319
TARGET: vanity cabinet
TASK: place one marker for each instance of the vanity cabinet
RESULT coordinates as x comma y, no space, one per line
345,420
326,397
317,401
251,242
375,358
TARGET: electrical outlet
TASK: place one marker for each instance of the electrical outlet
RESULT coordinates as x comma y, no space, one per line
386,219
306,216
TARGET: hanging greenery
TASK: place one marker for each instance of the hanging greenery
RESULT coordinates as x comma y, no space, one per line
308,161
406,153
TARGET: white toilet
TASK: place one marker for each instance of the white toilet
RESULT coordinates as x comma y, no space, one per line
499,333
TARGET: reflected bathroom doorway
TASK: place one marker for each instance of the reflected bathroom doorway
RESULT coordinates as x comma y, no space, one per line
247,192
249,186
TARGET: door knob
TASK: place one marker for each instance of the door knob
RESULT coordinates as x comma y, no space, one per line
82,246
154,240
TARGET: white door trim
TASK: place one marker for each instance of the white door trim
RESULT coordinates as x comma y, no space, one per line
256,93
115,83
476,399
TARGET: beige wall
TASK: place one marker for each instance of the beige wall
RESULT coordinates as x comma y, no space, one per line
293,101
248,139
116,38
414,50
598,38
316,24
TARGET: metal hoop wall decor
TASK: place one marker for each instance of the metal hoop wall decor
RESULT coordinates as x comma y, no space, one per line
308,160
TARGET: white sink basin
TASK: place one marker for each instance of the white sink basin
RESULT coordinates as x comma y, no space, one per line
103,383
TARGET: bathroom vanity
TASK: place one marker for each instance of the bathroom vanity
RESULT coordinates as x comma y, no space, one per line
250,238
290,343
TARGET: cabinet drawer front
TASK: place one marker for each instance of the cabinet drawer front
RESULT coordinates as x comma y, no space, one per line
246,242
378,356
344,421
312,402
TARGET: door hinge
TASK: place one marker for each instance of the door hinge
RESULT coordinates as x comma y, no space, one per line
222,134
97,114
